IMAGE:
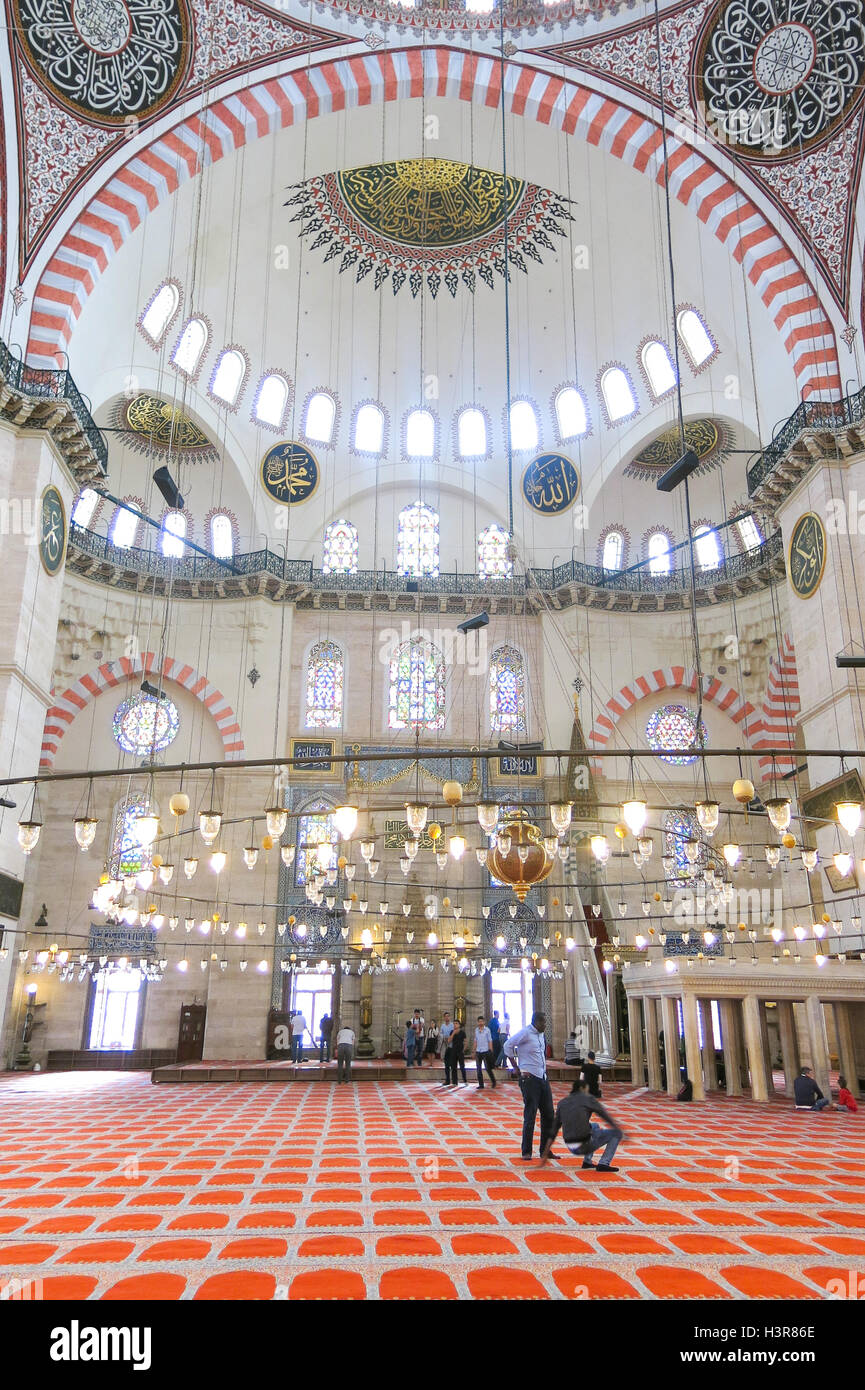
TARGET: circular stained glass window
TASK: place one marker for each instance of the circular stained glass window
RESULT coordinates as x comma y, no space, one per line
675,726
144,725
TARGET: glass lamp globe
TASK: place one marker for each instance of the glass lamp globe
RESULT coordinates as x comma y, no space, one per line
731,853
809,859
488,816
708,813
189,867
209,823
286,854
85,830
457,846
250,856
560,815
600,847
773,856
635,814
276,818
849,815
843,863
345,820
146,829
416,816
166,873
411,847
778,811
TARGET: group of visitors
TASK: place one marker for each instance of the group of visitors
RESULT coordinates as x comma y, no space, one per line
452,1047
345,1041
808,1096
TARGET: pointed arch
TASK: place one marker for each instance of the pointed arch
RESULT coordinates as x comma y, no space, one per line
113,673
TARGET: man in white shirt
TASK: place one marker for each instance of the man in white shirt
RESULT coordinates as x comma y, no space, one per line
527,1050
445,1049
344,1052
299,1026
484,1052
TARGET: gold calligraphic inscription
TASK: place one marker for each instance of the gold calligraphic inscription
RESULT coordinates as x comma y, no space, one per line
708,438
429,202
289,472
164,425
551,484
807,555
52,537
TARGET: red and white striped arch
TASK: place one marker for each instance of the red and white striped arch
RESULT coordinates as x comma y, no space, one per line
114,673
780,710
340,84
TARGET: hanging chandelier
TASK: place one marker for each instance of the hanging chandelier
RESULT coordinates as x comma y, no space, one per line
526,861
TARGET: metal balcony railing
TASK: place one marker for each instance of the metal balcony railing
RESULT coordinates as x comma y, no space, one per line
50,384
809,415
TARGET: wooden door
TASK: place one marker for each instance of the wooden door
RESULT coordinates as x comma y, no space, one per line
190,1040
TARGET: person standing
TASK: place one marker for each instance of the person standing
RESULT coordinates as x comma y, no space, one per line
504,1034
408,1044
445,1049
432,1042
344,1054
581,1135
527,1050
592,1076
299,1026
326,1031
495,1033
458,1054
418,1027
484,1053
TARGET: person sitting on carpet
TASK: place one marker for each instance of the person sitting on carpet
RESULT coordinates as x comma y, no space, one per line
687,1091
581,1135
592,1076
845,1097
807,1093
572,1052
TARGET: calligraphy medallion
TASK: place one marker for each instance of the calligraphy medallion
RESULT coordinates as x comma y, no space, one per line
107,60
551,484
289,473
806,559
52,535
775,79
707,437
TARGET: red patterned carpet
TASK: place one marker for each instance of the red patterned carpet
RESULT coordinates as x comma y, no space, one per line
113,1188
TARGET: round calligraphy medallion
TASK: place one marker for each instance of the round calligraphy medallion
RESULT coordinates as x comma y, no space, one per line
52,534
551,484
289,473
104,25
784,58
806,558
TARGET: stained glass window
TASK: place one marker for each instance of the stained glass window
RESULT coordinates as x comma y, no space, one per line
324,674
675,726
340,548
679,827
128,855
313,831
417,541
493,562
144,725
507,691
417,686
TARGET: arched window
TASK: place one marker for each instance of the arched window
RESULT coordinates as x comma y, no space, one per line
324,674
493,562
221,536
369,430
271,400
320,417
507,691
698,341
128,856
524,426
312,831
420,434
340,548
173,534
618,394
190,346
472,433
124,528
658,553
706,547
572,417
417,687
417,541
228,375
614,551
659,369
749,532
85,506
159,313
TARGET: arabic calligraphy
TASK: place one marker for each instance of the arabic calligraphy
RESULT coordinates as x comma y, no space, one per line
551,484
708,438
165,426
289,473
52,539
429,202
807,557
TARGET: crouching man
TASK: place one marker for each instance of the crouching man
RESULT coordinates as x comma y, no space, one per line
581,1134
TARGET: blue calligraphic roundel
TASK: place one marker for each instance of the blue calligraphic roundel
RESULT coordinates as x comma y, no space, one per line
551,484
289,473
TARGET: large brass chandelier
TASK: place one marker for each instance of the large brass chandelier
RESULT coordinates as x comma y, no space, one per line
521,857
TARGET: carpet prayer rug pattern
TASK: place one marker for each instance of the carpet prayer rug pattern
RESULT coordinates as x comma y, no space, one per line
112,1188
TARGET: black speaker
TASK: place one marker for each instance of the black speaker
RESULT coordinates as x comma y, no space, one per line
168,487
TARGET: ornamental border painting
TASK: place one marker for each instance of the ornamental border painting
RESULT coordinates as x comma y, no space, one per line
427,222
110,61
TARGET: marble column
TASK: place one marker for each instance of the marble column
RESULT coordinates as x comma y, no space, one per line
635,1032
693,1053
653,1049
819,1042
730,1044
789,1044
754,1047
767,1048
710,1069
670,1016
846,1047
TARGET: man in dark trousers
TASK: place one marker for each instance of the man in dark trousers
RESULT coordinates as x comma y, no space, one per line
527,1050
326,1031
581,1134
807,1093
592,1076
458,1053
495,1029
